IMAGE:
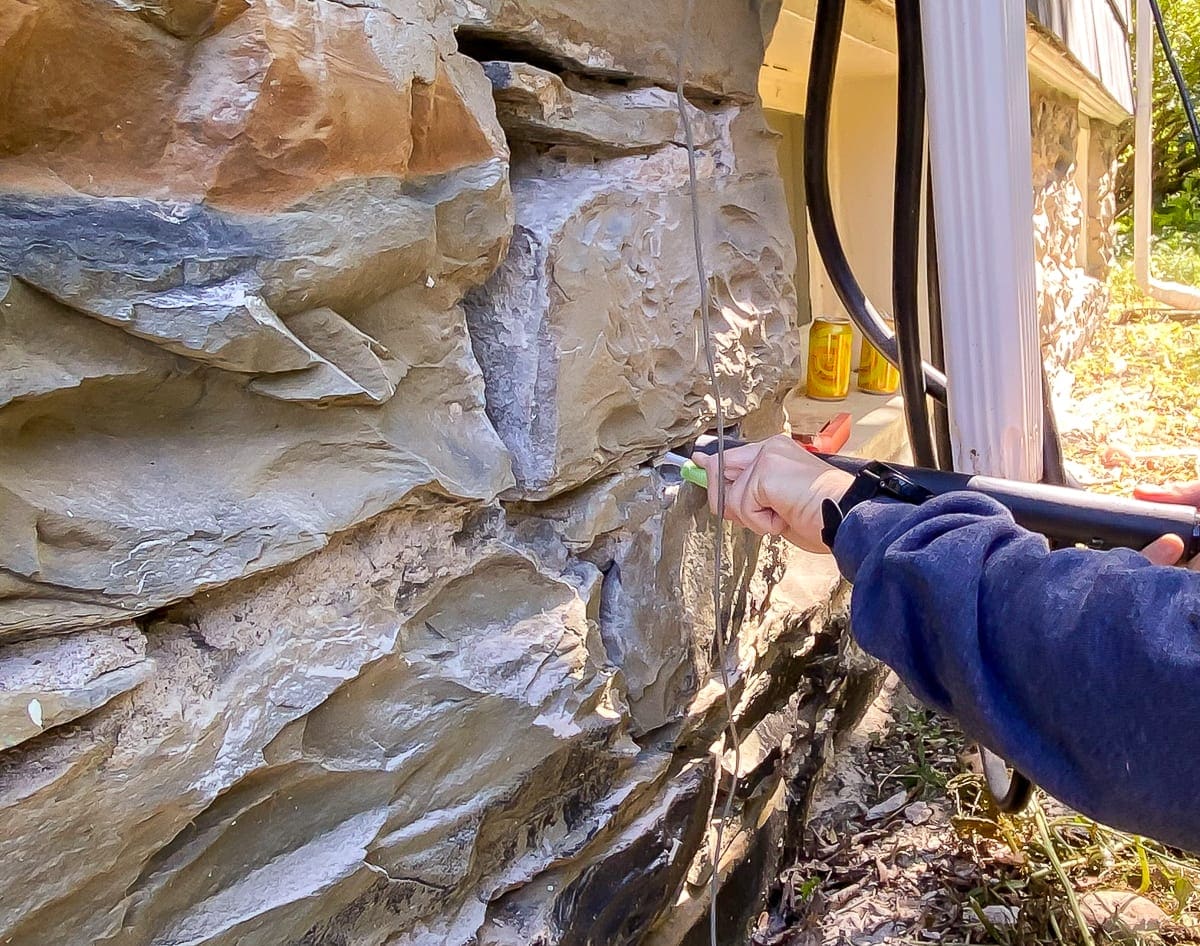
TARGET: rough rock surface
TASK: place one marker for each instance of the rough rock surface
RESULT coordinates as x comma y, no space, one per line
443,726
538,106
204,238
1072,225
588,334
725,43
338,603
50,681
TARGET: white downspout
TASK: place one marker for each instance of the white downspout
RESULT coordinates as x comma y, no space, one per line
1172,294
981,147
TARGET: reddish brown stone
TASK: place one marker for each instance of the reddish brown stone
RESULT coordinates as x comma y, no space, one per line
246,104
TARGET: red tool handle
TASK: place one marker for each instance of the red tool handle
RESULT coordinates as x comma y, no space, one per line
830,438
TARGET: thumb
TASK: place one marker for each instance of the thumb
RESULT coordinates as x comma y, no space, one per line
1164,551
702,460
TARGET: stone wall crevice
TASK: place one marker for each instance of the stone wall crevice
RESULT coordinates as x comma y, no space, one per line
599,239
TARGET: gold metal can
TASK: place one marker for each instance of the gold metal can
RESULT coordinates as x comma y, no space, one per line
876,375
830,353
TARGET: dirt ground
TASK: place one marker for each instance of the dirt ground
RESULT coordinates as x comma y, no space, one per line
904,845
1129,411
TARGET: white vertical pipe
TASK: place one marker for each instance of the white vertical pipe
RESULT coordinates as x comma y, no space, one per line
981,149
1143,143
1172,294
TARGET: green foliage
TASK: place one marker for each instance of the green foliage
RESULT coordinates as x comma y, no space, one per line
1174,257
1180,211
1176,162
1123,290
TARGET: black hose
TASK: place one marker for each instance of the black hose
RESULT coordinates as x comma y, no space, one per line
1185,95
1010,790
937,342
1054,467
826,39
906,228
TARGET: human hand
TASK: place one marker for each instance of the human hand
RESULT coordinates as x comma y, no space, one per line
776,487
1169,549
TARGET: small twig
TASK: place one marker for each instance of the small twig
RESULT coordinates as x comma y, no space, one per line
1054,926
987,924
1144,861
1010,838
1048,845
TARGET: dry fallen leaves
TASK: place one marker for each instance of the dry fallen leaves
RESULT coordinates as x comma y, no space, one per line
1134,410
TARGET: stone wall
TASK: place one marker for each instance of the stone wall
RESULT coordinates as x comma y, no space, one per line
1074,168
339,601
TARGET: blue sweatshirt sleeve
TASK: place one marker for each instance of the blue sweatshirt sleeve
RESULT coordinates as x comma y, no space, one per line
1081,668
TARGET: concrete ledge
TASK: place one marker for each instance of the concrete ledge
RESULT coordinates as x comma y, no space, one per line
878,432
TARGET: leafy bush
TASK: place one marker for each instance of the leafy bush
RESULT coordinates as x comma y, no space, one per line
1176,168
1175,257
1179,212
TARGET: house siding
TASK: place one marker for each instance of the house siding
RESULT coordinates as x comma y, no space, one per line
1095,33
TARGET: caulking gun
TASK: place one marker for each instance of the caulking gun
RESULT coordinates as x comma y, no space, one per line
1065,516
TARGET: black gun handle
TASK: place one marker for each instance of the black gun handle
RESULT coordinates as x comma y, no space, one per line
1064,515
1077,517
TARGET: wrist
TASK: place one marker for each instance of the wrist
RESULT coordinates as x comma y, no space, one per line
833,484
804,519
875,481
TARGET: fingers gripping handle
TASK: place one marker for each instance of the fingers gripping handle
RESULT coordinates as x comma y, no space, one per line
1067,516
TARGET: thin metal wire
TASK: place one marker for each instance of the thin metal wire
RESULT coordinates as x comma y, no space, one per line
719,623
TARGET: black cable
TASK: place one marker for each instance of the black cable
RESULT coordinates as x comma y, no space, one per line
1185,95
906,228
1010,790
826,39
1054,467
937,342
1118,14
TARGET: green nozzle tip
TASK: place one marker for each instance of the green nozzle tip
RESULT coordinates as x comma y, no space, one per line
694,474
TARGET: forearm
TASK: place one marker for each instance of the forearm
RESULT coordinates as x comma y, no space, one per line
1082,668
